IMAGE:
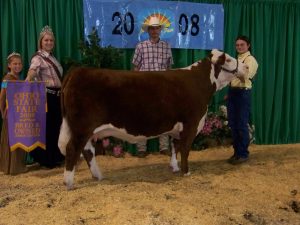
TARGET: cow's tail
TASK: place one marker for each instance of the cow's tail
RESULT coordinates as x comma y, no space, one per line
63,89
64,136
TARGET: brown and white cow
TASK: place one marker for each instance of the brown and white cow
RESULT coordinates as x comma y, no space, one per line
139,105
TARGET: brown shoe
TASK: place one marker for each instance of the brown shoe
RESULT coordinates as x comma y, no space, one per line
231,159
165,152
239,160
142,154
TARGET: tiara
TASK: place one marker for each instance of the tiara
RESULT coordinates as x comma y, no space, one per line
46,29
13,54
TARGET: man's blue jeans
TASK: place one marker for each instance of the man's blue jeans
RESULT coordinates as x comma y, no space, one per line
238,108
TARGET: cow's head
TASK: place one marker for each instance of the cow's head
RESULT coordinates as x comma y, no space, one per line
226,68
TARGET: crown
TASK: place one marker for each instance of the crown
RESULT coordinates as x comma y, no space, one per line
46,29
13,54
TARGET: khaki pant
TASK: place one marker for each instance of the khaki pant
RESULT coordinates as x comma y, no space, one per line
163,144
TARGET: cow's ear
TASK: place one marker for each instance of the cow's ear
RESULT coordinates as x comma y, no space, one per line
221,59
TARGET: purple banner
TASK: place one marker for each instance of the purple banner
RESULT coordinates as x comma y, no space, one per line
26,103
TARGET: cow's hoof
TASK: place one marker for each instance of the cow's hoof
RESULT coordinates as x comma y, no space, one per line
187,174
98,178
175,170
96,174
70,187
68,179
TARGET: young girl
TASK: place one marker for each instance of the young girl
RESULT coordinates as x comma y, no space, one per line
239,103
11,162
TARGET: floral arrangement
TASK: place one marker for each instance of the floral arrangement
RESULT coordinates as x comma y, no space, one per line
112,146
216,131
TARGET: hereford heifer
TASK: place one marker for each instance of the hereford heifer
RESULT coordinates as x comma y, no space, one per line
138,105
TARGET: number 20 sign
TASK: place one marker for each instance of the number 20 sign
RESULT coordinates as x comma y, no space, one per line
186,25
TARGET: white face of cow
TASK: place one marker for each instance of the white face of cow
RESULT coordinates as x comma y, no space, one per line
230,68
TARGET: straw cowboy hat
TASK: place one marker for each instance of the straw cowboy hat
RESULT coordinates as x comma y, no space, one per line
152,22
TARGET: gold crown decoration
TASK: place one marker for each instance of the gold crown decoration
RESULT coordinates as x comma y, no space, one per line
13,54
46,29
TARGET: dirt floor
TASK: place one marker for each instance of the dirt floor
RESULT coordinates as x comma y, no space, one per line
265,190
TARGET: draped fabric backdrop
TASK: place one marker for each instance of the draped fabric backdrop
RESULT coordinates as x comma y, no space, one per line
272,25
22,20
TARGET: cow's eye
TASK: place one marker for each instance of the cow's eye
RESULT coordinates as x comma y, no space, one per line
228,60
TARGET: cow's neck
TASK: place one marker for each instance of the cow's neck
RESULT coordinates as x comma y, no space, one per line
205,78
206,65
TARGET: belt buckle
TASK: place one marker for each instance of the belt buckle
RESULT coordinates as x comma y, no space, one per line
57,93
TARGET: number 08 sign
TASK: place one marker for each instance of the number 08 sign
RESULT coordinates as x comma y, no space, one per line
186,25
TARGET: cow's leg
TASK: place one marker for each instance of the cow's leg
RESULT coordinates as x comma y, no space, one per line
69,178
184,146
73,151
89,155
184,152
184,161
174,162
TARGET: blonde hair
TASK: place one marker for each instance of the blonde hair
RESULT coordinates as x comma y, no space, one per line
46,30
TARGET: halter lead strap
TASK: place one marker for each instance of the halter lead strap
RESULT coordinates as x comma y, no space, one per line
232,71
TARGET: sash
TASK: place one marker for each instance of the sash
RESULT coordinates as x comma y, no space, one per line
49,61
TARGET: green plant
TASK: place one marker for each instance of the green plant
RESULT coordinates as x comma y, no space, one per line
96,56
93,55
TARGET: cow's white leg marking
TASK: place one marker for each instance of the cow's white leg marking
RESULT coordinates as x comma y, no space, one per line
64,137
69,178
96,173
174,162
201,123
187,174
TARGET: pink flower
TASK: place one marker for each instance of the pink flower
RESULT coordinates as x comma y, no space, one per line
117,150
105,142
218,124
207,129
